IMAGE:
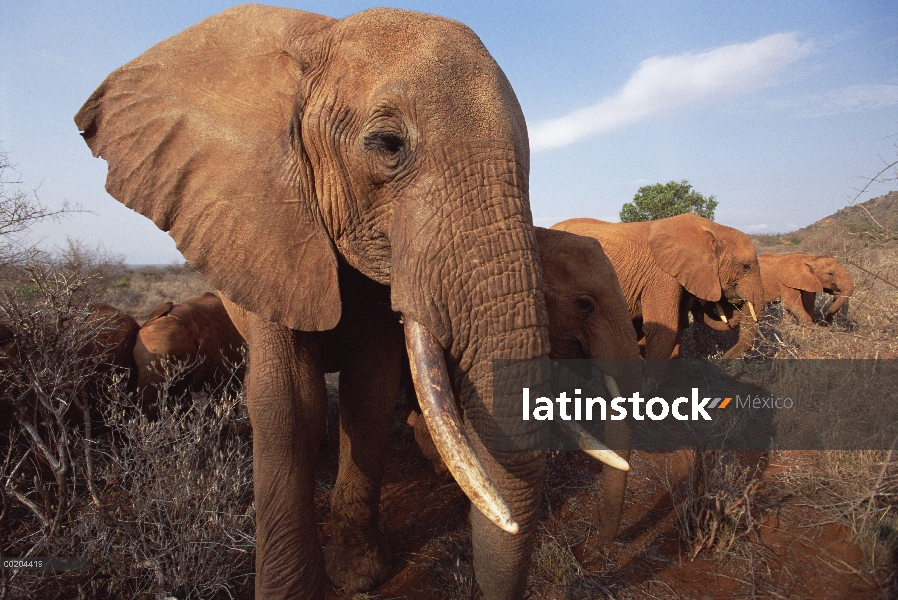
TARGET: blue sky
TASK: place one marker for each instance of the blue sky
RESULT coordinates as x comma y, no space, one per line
778,109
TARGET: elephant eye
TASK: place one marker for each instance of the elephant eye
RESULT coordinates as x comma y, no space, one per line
585,305
386,142
745,267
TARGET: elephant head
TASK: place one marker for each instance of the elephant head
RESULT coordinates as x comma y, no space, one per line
716,264
589,319
280,148
796,278
197,332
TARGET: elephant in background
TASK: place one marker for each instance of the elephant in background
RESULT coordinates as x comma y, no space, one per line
662,264
115,338
588,319
348,185
797,278
198,332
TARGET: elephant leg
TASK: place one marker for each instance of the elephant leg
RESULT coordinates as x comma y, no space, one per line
287,403
662,336
794,303
357,556
675,353
808,300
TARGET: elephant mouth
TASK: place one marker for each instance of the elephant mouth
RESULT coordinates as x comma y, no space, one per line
742,304
434,391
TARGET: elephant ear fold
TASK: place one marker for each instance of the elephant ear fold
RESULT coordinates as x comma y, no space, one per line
687,250
161,310
799,275
202,134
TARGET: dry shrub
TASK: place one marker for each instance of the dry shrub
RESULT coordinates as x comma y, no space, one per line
54,361
714,504
160,507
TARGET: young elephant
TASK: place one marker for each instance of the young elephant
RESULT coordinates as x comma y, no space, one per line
588,319
198,332
797,278
657,262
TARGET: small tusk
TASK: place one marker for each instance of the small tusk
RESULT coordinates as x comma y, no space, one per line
751,309
433,387
611,384
593,447
720,312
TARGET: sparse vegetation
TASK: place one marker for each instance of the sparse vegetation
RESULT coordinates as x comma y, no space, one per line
160,506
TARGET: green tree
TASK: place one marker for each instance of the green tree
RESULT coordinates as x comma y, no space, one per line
667,200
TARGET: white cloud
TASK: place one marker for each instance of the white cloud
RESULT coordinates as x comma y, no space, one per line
662,83
756,228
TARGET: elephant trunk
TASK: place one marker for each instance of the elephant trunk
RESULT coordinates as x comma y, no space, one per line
627,374
748,318
476,288
841,300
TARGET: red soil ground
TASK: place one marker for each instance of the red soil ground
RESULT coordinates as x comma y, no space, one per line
425,519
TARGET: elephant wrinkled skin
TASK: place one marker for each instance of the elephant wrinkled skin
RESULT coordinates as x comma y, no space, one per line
663,264
303,164
797,278
197,332
588,319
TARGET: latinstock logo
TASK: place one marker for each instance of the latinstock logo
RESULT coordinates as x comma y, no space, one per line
619,408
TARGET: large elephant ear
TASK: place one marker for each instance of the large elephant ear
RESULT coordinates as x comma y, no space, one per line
202,135
797,274
685,248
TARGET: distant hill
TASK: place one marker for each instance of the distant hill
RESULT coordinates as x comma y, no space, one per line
874,222
863,217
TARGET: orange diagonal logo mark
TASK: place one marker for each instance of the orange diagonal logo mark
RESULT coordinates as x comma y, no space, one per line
724,403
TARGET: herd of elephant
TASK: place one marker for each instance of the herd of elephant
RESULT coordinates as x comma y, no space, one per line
357,190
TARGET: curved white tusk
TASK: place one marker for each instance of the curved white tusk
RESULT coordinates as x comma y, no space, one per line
751,309
432,385
720,312
593,447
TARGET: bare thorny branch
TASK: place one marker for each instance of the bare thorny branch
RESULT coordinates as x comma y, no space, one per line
878,178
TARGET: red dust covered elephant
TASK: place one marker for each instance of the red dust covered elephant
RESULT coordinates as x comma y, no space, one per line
796,279
349,186
198,333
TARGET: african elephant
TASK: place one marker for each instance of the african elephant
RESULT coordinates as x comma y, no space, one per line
347,184
659,262
797,278
588,319
198,332
116,335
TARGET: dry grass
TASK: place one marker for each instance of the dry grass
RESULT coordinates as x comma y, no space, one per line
139,292
855,488
714,504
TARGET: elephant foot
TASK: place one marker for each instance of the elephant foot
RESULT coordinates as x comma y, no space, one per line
358,567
